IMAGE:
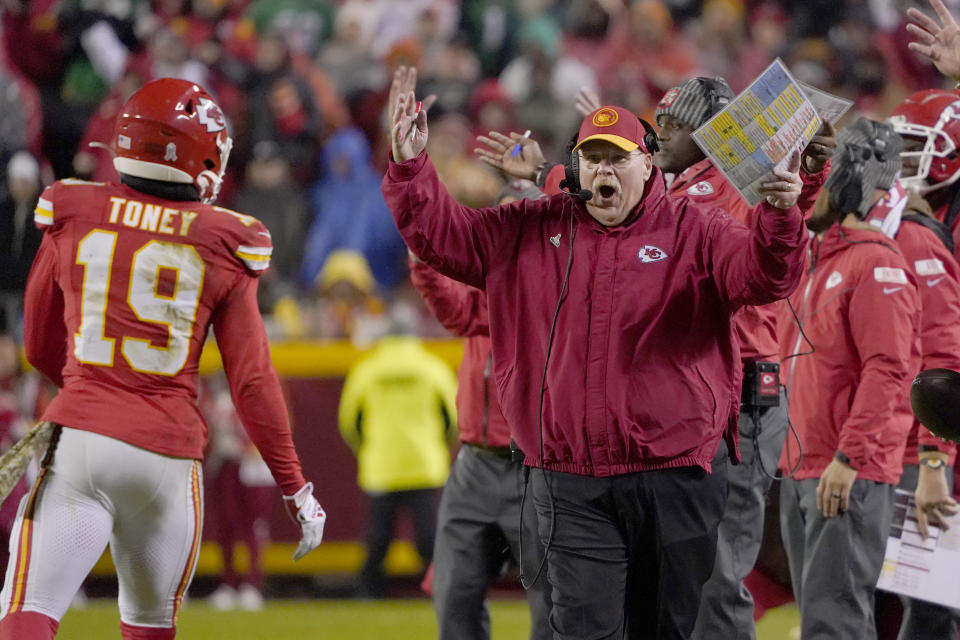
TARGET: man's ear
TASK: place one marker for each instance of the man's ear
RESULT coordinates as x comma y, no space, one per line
647,165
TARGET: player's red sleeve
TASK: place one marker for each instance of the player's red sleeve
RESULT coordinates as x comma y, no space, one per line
44,331
254,384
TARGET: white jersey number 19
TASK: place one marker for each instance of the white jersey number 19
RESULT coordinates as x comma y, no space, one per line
176,311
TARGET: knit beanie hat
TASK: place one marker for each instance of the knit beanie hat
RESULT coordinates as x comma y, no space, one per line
695,100
867,158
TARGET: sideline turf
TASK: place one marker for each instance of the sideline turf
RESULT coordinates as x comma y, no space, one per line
334,620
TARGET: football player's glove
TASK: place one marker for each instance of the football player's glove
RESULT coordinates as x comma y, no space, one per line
307,512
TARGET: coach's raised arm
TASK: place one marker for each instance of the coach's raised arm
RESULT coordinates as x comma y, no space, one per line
614,356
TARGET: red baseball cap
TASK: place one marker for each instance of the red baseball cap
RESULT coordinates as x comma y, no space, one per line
616,125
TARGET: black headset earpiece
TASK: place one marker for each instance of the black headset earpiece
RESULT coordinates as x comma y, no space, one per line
571,167
718,94
847,191
650,139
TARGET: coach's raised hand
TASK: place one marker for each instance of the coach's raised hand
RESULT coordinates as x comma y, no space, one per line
409,136
937,41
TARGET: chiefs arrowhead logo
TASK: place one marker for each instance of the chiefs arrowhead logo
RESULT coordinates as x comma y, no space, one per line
702,188
650,253
834,279
668,98
209,115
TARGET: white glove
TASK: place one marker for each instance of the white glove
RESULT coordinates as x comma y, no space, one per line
307,512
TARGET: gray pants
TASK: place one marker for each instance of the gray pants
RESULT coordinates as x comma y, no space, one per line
630,553
478,529
726,607
922,619
835,562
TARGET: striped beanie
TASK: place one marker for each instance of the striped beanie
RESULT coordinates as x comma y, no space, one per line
695,100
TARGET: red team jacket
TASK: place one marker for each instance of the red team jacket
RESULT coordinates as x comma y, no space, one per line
938,282
644,371
706,185
858,305
941,215
118,305
463,311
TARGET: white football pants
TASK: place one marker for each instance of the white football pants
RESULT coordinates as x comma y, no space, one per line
98,491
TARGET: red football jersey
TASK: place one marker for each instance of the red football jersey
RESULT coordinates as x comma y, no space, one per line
119,303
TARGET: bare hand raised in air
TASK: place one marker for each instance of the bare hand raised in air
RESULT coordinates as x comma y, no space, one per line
408,135
587,101
940,44
502,154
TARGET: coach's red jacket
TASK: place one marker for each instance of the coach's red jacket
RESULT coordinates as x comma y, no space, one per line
706,185
850,369
462,309
644,371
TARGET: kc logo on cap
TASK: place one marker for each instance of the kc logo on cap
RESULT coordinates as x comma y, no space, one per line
605,117
668,98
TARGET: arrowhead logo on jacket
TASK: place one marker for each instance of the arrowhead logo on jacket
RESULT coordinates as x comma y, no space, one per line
834,279
650,253
703,188
555,240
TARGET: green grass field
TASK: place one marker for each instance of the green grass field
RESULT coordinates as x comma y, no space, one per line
335,620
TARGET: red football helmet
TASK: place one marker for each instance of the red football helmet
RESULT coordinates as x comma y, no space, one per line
933,117
172,130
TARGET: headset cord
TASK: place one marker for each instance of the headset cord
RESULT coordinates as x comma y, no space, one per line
755,436
786,393
796,436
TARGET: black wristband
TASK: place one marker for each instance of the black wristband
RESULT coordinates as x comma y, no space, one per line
842,457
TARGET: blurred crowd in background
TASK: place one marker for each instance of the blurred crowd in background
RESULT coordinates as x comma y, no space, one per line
304,84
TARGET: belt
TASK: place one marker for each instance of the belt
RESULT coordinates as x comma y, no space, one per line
500,452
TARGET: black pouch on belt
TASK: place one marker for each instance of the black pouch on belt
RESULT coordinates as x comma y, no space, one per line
761,384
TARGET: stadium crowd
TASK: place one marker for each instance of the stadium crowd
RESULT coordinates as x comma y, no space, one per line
304,86
315,96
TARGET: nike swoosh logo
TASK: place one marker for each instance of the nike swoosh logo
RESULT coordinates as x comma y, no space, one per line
263,233
891,289
933,283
